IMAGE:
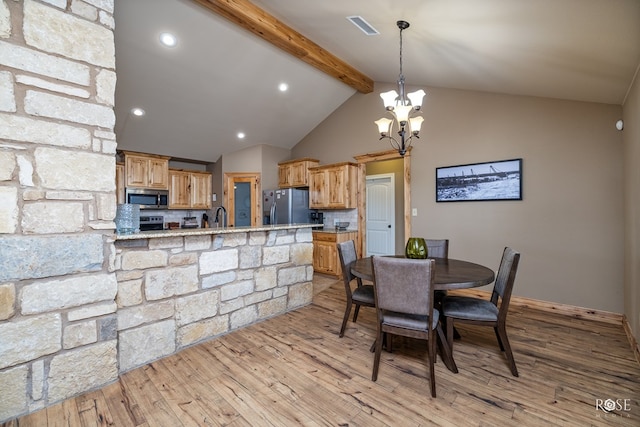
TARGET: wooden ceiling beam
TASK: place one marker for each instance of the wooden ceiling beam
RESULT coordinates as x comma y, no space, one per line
252,18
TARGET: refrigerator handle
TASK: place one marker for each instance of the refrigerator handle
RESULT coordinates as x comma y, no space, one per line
273,213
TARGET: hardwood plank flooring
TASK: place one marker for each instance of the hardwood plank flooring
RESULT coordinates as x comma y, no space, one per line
294,370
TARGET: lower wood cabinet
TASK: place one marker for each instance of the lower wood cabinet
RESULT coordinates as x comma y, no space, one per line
325,250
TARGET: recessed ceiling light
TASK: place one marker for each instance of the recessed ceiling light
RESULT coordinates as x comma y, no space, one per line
282,87
137,111
241,135
168,39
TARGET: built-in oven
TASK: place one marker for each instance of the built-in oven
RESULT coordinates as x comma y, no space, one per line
151,223
147,199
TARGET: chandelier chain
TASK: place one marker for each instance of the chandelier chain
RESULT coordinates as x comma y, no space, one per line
401,75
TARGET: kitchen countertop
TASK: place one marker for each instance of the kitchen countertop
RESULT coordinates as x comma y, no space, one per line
182,232
333,230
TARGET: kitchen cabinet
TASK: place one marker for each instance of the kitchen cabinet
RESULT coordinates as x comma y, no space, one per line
146,171
325,250
295,173
189,189
120,183
333,186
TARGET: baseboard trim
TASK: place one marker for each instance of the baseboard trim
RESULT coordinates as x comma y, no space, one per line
635,346
554,307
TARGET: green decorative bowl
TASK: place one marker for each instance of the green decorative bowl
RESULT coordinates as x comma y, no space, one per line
416,248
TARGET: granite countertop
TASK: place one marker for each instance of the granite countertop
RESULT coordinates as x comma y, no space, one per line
182,232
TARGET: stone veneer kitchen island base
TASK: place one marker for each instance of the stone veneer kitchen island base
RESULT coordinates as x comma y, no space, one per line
180,287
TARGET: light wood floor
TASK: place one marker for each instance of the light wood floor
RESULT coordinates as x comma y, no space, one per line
294,370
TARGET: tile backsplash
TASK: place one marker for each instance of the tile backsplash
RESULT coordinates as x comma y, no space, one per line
348,215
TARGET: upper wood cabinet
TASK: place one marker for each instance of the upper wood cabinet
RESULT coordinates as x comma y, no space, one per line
294,173
333,186
146,171
120,183
189,189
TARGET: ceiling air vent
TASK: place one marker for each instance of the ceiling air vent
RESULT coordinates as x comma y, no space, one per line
366,28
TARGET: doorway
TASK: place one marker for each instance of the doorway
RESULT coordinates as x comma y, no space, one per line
403,218
380,215
241,199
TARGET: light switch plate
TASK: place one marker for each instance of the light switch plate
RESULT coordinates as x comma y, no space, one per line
414,212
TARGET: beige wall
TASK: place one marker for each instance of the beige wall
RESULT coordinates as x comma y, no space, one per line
271,156
569,227
631,137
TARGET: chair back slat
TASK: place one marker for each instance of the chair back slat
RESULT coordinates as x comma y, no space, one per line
404,285
347,255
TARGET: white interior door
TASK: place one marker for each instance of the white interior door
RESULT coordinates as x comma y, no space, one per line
380,213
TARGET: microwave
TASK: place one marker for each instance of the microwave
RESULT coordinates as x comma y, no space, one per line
147,198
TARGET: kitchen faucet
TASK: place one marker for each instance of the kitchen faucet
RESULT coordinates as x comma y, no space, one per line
224,216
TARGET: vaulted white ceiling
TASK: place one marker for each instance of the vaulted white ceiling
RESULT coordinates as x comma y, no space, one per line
220,79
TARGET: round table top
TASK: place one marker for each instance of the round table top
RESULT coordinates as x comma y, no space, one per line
449,273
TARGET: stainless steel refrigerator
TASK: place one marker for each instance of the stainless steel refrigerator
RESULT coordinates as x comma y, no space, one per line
286,206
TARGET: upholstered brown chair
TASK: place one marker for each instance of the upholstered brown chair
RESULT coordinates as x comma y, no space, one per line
437,248
404,305
361,295
476,311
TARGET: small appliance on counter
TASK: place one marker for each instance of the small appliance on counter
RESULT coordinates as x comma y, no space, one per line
317,218
189,222
342,226
155,222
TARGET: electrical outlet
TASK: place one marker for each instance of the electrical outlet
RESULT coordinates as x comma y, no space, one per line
414,212
335,221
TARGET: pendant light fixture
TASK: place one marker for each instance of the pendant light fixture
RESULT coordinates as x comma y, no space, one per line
403,108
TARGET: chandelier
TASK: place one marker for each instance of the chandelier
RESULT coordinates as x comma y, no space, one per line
403,108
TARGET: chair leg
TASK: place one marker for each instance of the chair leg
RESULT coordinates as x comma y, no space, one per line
447,354
355,312
376,358
449,323
346,317
432,357
495,329
501,333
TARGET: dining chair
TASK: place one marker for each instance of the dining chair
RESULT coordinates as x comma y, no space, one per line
476,311
404,305
438,248
361,295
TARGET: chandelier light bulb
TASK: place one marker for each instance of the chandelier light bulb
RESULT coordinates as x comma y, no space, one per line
414,124
416,98
384,125
389,99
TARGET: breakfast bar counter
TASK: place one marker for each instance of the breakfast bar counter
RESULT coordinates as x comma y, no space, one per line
184,232
183,286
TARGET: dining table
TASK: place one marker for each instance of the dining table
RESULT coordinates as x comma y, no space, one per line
450,274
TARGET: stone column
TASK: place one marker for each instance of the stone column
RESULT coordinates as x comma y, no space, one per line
58,329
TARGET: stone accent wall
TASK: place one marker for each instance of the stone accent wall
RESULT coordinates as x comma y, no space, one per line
75,309
58,322
177,291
